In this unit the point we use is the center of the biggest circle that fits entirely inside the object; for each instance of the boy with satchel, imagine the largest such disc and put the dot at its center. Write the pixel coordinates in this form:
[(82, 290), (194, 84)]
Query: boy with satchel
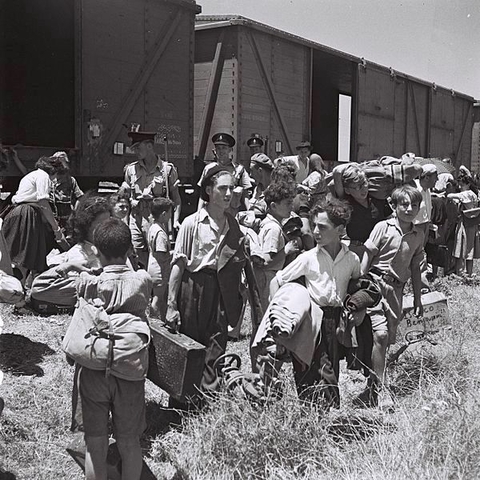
[(108, 338)]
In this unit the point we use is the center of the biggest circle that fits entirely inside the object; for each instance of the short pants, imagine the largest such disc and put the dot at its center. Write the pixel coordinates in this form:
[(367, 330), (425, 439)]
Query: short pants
[(387, 314), (101, 395)]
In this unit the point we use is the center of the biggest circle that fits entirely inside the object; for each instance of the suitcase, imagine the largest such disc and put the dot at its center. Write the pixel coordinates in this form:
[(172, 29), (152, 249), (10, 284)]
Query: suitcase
[(175, 362)]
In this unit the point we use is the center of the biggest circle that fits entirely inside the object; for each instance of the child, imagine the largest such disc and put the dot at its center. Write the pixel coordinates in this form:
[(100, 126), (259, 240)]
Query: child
[(121, 291), (120, 206), (159, 254), (464, 245), (270, 252), (327, 269), (393, 254)]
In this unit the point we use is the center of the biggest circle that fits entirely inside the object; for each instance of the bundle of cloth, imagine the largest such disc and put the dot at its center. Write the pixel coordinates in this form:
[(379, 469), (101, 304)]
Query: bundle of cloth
[(362, 293), (388, 172), (291, 321), (294, 322)]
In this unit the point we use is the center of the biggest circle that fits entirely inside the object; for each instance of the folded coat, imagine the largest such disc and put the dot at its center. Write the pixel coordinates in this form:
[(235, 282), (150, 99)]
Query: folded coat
[(293, 321)]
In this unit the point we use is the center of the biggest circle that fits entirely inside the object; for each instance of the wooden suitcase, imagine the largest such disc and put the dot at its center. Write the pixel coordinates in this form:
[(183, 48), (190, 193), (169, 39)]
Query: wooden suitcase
[(175, 362)]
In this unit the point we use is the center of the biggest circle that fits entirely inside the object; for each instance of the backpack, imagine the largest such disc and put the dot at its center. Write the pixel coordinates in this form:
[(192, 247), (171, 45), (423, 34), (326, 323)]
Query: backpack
[(117, 343)]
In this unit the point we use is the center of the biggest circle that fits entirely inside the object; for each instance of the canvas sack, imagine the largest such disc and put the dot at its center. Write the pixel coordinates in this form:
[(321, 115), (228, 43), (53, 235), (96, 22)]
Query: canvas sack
[(116, 343)]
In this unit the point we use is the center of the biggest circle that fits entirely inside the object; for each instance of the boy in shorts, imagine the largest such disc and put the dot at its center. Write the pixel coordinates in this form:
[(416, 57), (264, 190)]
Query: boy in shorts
[(393, 254), (159, 255), (123, 291)]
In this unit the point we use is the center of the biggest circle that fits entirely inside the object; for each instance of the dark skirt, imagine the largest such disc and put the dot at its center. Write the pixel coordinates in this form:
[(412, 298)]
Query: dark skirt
[(29, 237), (203, 319)]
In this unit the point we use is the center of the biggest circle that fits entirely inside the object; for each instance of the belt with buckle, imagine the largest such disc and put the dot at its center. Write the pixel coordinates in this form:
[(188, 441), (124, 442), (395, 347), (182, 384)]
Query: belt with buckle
[(386, 277)]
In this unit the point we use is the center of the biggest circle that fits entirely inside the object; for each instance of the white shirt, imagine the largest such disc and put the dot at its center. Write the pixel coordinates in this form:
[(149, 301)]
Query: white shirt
[(302, 168), (425, 212), (326, 278), (34, 186)]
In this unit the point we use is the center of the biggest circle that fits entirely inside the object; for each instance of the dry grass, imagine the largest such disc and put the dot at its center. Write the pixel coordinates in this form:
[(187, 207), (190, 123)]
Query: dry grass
[(433, 434)]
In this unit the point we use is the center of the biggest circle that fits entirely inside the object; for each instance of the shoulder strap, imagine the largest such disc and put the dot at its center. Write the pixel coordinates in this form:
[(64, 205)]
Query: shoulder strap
[(165, 179)]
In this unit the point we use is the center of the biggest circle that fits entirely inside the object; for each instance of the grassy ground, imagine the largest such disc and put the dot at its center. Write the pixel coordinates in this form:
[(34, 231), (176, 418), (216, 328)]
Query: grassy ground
[(434, 432)]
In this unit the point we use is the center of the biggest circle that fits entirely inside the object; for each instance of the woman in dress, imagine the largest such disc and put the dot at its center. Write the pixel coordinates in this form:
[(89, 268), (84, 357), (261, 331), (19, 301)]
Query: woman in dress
[(30, 229), (466, 230)]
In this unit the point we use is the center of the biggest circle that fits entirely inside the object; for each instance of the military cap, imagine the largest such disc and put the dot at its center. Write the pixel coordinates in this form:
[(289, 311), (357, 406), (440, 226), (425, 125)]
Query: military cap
[(138, 137), (255, 141), (223, 139), (304, 144), (262, 160)]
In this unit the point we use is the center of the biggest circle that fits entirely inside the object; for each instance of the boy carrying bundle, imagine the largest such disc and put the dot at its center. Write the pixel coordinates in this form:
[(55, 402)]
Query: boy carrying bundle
[(327, 270)]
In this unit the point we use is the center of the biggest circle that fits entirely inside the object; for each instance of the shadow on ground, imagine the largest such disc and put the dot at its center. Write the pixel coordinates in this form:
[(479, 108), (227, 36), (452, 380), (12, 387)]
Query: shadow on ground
[(6, 475), (159, 421), (20, 356)]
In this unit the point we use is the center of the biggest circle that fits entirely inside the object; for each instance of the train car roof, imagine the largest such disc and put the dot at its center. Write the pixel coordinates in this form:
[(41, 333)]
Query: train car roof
[(206, 22)]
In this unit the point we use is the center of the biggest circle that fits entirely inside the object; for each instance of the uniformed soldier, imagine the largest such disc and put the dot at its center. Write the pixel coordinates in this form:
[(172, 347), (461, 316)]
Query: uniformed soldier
[(223, 148), (255, 143), (147, 178)]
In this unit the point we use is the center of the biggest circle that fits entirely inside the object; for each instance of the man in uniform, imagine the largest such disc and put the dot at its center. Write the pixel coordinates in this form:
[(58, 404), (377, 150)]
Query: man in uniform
[(147, 178), (255, 143), (223, 148)]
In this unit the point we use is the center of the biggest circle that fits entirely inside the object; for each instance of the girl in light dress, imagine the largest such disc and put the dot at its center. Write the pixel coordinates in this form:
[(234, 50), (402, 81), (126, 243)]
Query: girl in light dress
[(467, 226)]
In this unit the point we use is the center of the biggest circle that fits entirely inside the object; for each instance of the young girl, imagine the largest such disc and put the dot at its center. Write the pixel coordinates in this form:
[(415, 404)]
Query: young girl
[(120, 206), (159, 254), (463, 249)]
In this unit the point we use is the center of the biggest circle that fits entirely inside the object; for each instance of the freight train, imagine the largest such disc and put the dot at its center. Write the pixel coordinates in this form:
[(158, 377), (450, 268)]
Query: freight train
[(76, 75)]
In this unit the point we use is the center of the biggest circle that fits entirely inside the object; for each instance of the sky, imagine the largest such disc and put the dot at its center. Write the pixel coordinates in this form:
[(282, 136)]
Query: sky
[(433, 40)]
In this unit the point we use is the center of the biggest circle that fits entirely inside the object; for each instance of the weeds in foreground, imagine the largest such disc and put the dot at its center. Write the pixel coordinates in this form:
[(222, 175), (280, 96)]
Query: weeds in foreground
[(434, 432)]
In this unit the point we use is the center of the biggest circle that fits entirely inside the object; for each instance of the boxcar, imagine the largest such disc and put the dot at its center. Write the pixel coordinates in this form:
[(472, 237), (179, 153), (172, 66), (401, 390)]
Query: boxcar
[(252, 78), (76, 74)]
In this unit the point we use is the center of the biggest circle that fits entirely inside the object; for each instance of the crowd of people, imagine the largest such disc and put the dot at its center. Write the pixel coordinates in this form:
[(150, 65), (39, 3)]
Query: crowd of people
[(321, 257)]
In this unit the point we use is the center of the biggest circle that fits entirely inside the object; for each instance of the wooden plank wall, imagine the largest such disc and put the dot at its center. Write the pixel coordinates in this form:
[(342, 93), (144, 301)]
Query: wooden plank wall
[(463, 131), (442, 124), (375, 114), (398, 115), (287, 66), (117, 38), (225, 97), (417, 118)]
